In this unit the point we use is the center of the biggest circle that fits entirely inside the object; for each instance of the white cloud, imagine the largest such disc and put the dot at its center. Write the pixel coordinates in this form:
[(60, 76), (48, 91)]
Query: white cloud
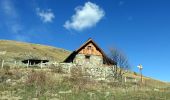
[(45, 15), (85, 17)]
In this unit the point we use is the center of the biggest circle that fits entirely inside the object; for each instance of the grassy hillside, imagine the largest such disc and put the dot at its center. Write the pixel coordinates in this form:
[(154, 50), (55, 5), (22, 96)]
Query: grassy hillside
[(147, 81), (20, 50), (46, 84), (50, 84)]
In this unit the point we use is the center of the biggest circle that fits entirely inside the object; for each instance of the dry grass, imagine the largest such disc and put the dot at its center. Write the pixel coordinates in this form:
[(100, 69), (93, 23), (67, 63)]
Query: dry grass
[(20, 50), (45, 84), (147, 81)]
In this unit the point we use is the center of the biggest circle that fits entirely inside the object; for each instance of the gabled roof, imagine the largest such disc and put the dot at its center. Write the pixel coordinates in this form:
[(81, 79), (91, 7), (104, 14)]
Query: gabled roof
[(106, 59)]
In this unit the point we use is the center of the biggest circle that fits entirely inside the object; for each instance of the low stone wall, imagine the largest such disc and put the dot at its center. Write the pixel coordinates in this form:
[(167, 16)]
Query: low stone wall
[(88, 69), (95, 72)]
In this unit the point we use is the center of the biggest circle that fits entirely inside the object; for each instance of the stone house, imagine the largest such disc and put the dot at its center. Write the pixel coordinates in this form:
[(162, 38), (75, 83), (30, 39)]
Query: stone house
[(89, 54)]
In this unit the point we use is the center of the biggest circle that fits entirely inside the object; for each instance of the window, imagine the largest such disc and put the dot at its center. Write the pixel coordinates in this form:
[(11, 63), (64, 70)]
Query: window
[(88, 47), (87, 56)]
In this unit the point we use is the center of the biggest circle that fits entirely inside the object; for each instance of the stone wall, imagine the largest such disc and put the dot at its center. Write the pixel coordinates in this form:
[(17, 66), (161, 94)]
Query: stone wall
[(90, 70), (94, 60)]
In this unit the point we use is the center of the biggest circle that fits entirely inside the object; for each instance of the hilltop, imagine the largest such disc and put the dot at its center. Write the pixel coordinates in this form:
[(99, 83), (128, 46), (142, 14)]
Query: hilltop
[(13, 50)]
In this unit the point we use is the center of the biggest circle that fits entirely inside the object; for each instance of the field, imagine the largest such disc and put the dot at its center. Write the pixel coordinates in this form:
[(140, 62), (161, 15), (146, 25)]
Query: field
[(49, 84)]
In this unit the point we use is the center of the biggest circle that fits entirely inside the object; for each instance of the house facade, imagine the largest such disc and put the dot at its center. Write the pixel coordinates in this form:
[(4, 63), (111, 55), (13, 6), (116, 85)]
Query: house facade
[(89, 54)]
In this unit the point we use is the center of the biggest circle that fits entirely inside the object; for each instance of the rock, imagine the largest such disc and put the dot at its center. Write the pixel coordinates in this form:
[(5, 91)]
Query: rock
[(156, 89), (15, 98), (54, 99), (65, 92), (54, 95), (23, 79), (100, 79), (91, 94), (10, 98), (34, 99), (8, 80), (13, 83), (107, 94)]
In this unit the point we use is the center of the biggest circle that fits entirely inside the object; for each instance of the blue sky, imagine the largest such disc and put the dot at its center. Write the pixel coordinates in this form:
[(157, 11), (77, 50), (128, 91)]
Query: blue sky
[(140, 28)]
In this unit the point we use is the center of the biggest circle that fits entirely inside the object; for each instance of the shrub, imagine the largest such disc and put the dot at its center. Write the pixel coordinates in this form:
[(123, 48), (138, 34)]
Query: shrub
[(56, 69), (76, 73), (7, 70), (37, 78), (77, 78)]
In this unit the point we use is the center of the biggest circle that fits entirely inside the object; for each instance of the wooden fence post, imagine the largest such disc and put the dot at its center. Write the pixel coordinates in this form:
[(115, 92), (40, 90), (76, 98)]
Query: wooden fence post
[(41, 64), (2, 65), (15, 63), (28, 63), (125, 79)]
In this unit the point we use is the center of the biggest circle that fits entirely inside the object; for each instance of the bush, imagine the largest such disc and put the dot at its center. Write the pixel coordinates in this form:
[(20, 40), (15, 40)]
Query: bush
[(57, 69), (3, 76), (77, 78), (36, 78), (76, 73), (6, 69)]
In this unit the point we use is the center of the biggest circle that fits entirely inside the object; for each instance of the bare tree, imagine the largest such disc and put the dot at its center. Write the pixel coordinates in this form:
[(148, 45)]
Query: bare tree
[(122, 63)]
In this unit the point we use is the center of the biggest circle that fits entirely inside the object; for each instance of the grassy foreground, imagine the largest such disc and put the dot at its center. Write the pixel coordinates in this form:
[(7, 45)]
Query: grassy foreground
[(50, 84)]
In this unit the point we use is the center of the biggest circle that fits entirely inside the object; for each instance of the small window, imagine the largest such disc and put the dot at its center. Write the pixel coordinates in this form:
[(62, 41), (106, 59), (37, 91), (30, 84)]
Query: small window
[(87, 56), (89, 48)]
